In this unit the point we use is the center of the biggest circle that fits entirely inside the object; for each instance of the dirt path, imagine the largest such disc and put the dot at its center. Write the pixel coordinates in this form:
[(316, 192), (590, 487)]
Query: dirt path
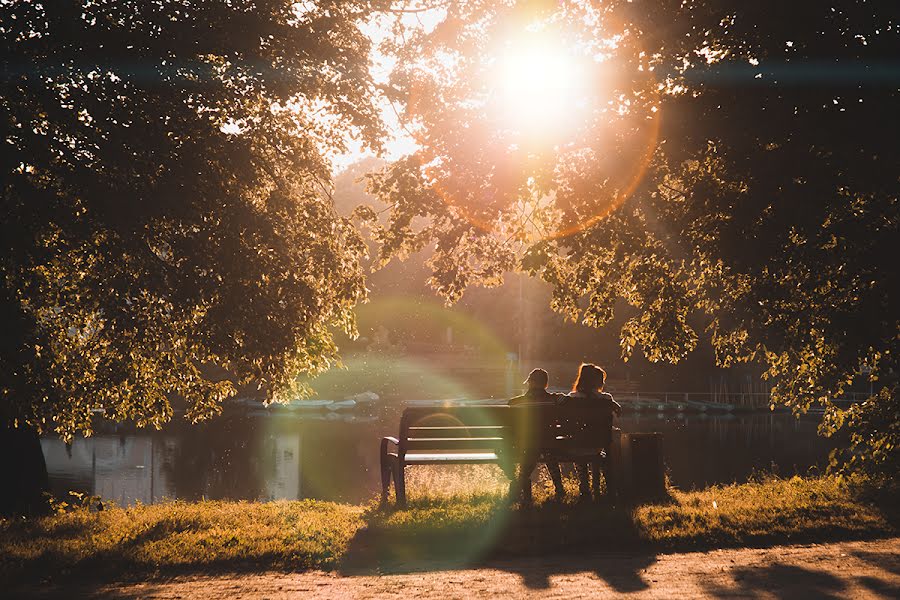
[(869, 569)]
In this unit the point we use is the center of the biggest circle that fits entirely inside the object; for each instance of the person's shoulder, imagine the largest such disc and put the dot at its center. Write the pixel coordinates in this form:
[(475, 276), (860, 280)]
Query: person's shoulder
[(555, 397), (606, 398), (573, 398), (518, 400)]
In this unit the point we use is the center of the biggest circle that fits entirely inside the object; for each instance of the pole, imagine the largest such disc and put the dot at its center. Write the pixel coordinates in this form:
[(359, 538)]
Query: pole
[(521, 322)]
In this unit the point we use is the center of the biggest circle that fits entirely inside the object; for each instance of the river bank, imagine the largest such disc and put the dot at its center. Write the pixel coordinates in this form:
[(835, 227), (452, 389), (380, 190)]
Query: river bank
[(235, 458), (452, 530)]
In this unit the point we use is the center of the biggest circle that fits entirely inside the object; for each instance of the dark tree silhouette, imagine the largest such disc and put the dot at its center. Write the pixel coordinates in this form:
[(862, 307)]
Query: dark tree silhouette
[(732, 162), (165, 202)]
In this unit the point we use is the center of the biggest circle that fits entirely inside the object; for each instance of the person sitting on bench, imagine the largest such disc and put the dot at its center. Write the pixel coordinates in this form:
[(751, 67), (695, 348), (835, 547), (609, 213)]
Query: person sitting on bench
[(588, 389), (533, 428)]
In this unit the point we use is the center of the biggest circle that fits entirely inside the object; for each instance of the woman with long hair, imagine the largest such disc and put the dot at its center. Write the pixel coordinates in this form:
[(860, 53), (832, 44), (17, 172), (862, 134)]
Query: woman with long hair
[(588, 388)]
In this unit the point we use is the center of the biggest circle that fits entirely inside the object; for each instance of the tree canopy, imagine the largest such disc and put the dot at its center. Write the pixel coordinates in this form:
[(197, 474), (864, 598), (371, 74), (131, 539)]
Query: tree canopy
[(165, 201), (726, 162), (166, 188)]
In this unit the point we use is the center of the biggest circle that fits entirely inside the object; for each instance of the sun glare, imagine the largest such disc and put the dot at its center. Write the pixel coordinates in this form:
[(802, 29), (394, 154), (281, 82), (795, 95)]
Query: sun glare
[(540, 85)]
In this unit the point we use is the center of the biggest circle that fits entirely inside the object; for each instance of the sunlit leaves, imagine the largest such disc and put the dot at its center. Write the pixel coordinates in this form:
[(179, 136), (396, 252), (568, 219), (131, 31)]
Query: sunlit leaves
[(723, 178), (168, 234)]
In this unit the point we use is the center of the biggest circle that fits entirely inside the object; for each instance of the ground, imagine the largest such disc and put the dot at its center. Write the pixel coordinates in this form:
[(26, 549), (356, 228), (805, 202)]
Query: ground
[(857, 569)]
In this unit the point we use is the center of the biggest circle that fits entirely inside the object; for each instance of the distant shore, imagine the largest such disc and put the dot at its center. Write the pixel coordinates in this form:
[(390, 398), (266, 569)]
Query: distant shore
[(459, 530)]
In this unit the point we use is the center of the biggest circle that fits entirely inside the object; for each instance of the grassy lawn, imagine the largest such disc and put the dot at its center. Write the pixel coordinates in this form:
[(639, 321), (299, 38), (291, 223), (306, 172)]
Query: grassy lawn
[(447, 530)]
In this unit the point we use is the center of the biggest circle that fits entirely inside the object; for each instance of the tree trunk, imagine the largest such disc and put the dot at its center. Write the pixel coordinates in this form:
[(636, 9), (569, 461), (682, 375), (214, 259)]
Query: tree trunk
[(23, 472)]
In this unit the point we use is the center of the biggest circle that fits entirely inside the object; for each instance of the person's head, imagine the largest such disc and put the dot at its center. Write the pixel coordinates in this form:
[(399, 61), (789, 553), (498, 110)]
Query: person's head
[(591, 378), (537, 380)]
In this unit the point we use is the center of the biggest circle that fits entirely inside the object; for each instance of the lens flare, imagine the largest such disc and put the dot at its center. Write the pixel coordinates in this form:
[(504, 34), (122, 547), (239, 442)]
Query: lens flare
[(539, 96), (540, 86)]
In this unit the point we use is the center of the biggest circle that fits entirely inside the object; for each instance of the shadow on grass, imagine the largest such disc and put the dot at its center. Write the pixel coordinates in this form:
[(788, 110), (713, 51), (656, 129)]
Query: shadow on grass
[(616, 542), (551, 538), (534, 542)]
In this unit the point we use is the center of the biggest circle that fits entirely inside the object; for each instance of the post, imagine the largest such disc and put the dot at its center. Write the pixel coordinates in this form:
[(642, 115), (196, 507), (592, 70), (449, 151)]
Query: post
[(637, 466), (386, 469)]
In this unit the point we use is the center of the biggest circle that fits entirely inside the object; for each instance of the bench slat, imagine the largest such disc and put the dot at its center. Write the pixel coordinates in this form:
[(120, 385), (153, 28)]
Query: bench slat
[(457, 432), (449, 458), (466, 443), (452, 416), (423, 458)]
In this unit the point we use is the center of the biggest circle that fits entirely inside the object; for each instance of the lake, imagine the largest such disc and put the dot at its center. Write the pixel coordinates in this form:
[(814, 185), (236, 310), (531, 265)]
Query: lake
[(335, 457)]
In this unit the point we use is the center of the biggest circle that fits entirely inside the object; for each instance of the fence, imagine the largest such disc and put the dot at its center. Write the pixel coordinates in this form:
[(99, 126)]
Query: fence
[(742, 400)]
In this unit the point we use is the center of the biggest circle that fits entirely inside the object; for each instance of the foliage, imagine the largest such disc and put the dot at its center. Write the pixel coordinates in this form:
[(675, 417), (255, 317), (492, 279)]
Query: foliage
[(874, 427), (727, 166), (205, 536), (167, 226), (75, 501)]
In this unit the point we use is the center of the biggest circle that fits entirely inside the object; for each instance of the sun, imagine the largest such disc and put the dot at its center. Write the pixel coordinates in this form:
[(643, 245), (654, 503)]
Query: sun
[(539, 85)]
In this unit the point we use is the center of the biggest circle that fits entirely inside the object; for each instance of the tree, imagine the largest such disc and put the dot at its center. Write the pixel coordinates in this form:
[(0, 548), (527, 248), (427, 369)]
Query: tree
[(729, 161), (165, 201)]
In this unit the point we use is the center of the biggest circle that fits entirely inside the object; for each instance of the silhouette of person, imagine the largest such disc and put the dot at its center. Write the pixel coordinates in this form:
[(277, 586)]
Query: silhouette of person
[(533, 427), (588, 391)]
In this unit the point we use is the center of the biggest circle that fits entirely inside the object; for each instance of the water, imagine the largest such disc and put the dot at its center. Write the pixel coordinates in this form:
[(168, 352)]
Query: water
[(236, 457)]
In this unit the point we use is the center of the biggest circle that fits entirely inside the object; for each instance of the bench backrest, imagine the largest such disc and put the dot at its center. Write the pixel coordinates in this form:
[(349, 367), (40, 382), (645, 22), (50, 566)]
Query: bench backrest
[(464, 428), (572, 424)]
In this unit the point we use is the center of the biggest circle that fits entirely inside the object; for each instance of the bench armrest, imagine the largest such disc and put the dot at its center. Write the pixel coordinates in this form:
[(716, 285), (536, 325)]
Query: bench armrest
[(384, 446)]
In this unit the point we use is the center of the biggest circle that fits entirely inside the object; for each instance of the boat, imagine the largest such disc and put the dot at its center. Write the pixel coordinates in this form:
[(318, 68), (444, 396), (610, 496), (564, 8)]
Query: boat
[(341, 405)]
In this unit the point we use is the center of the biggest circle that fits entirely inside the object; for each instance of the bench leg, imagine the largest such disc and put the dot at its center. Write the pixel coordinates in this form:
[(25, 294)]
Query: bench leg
[(584, 479), (613, 468), (595, 478), (386, 472), (400, 483), (556, 477), (520, 486)]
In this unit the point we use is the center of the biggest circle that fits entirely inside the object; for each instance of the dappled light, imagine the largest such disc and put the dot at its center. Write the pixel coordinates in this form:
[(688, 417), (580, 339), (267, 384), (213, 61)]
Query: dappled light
[(439, 298)]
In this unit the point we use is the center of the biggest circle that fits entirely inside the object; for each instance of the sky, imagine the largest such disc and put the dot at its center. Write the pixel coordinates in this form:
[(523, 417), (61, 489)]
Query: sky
[(401, 143)]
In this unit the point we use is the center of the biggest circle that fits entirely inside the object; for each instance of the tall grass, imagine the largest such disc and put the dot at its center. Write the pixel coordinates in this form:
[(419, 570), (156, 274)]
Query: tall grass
[(769, 509), (181, 536)]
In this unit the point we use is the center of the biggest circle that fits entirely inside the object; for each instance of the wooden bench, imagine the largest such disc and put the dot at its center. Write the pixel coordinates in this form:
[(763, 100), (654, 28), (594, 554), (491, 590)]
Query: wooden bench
[(496, 434)]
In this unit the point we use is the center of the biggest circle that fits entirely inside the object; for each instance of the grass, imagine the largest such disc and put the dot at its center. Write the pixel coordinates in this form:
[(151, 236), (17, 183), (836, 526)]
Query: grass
[(180, 536), (442, 529), (769, 510)]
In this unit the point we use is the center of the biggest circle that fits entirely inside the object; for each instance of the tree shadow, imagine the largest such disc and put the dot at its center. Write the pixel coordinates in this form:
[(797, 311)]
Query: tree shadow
[(886, 561), (780, 581), (879, 587), (883, 560), (791, 581)]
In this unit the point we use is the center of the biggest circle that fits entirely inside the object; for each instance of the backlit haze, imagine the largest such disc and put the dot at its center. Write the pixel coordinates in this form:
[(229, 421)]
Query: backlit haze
[(536, 84)]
